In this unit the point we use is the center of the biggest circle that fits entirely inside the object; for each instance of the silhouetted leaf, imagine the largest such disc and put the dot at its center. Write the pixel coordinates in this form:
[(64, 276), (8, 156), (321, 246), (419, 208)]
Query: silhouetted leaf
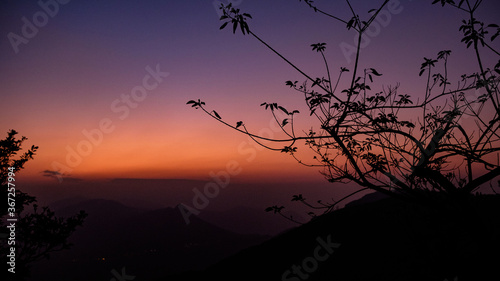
[(351, 23), (443, 54), (443, 2), (404, 99), (495, 35), (216, 114), (243, 27), (195, 103), (319, 47), (284, 110), (223, 25), (375, 72), (275, 208), (238, 124), (316, 82), (235, 25), (289, 149)]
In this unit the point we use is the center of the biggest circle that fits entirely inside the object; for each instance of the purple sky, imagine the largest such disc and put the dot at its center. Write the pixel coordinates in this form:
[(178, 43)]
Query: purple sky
[(71, 73)]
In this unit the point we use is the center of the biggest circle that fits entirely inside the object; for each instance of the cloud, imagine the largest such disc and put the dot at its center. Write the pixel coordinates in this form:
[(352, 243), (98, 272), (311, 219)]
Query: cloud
[(59, 176)]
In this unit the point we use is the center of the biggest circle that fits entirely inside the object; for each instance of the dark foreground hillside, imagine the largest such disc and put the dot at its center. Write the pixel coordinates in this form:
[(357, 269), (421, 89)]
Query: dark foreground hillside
[(384, 240)]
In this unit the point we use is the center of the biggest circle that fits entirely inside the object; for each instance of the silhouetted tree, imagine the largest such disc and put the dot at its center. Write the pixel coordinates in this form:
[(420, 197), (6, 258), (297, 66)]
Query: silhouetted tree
[(443, 146), (37, 233)]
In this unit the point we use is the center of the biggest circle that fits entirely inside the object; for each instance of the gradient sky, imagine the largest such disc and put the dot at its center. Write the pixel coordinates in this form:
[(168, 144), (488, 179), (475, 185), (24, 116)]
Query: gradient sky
[(70, 75)]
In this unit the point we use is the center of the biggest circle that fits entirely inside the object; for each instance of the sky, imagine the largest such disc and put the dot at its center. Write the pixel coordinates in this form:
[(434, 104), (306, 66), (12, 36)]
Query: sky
[(101, 86)]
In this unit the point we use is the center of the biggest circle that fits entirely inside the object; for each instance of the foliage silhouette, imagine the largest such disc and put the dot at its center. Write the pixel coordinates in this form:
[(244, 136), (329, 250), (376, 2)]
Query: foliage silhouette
[(39, 232), (365, 136)]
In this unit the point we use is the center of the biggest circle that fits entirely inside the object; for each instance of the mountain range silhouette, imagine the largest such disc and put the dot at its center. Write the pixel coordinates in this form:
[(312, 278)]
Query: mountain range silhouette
[(374, 238)]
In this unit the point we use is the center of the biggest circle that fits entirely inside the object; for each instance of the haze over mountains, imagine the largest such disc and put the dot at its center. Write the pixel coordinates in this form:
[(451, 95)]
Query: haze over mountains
[(136, 223), (383, 237), (148, 243), (228, 238), (159, 193)]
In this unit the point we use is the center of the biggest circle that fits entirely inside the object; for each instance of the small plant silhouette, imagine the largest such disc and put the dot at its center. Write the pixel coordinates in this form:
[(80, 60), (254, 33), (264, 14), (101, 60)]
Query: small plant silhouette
[(38, 232)]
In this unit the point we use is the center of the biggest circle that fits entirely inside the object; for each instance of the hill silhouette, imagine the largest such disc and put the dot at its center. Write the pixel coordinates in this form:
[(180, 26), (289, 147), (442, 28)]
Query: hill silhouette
[(382, 240), (247, 220), (371, 239), (148, 243)]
